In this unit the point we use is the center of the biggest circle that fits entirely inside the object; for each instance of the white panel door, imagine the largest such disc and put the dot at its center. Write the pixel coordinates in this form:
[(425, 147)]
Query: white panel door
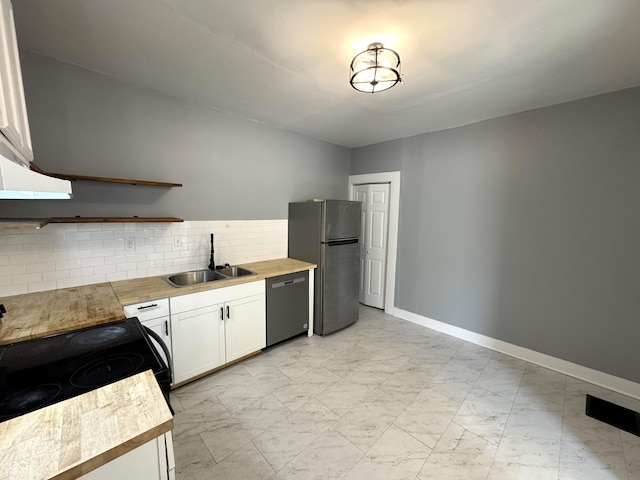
[(373, 246), (361, 194)]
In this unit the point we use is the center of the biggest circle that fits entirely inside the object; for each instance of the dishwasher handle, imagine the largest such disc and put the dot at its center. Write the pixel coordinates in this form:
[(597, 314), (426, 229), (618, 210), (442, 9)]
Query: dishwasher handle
[(288, 282)]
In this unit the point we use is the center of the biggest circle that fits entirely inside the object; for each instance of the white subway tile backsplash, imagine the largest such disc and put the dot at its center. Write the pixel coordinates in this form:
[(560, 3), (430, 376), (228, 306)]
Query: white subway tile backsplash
[(67, 264), (102, 235), (81, 272), (92, 262), (105, 269), (23, 259), (40, 267), (42, 286), (69, 255), (22, 239), (69, 282), (26, 278), (90, 244), (11, 270), (55, 275), (126, 267), (89, 280), (14, 290)]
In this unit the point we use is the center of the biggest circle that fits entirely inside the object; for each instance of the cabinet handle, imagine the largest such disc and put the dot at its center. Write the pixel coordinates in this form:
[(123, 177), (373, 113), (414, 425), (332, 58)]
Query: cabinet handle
[(148, 306), (166, 328), (228, 311), (222, 314)]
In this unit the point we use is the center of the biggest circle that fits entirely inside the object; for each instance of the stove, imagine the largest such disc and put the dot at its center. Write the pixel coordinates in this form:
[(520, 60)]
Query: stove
[(40, 372)]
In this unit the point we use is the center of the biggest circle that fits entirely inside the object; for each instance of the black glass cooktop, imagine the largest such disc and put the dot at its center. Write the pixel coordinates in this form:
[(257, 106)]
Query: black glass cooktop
[(43, 371)]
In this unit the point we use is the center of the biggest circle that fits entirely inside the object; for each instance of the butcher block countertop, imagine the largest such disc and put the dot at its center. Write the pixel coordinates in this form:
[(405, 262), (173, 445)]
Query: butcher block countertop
[(40, 314), (75, 436), (152, 288), (34, 315)]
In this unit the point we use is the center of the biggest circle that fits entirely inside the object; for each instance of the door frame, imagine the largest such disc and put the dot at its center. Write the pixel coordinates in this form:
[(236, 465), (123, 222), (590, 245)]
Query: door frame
[(393, 179)]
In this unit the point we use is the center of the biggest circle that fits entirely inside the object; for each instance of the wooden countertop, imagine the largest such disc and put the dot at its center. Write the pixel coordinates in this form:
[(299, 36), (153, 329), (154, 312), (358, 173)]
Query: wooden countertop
[(40, 314), (152, 288), (73, 437), (34, 315)]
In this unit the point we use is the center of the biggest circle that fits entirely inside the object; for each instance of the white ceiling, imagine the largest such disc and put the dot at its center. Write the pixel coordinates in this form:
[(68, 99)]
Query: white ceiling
[(285, 63)]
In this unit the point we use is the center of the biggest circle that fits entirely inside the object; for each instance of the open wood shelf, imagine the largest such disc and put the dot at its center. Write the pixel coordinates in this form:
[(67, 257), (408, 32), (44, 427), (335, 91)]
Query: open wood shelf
[(114, 219), (35, 223), (22, 223), (89, 178), (129, 181)]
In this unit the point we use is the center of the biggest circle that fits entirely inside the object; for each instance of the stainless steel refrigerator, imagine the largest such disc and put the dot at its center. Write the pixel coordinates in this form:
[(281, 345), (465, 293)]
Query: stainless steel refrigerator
[(327, 233)]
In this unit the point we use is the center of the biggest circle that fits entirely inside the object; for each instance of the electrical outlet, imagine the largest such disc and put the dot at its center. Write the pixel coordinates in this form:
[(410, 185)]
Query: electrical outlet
[(129, 244), (177, 241)]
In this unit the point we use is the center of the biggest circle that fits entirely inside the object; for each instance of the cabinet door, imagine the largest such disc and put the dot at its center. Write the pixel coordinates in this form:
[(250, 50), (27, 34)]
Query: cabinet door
[(161, 327), (198, 341), (13, 111), (147, 462), (245, 327)]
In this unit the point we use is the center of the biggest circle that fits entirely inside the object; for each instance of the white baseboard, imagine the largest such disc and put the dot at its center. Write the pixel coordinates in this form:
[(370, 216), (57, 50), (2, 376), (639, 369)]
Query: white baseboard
[(611, 382)]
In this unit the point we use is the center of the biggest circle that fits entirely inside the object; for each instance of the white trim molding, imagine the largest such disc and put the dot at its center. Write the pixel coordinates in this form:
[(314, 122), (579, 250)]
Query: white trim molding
[(393, 179), (611, 382)]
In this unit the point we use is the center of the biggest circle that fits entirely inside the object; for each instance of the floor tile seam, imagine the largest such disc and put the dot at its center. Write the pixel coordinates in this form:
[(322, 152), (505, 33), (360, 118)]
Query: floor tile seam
[(308, 445), (627, 460), (326, 429), (364, 455), (262, 455), (568, 424), (565, 426), (209, 450), (512, 400), (431, 449)]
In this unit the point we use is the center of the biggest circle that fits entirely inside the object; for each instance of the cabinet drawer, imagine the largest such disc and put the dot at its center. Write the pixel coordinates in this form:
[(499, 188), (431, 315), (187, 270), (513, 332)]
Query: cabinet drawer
[(148, 310)]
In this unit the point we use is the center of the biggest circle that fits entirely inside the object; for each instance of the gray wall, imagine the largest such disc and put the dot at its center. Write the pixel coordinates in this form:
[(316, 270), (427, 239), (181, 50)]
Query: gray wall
[(89, 124), (526, 228)]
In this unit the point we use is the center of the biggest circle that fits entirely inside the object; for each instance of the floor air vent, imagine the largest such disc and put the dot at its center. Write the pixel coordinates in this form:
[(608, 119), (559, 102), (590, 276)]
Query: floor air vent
[(607, 412)]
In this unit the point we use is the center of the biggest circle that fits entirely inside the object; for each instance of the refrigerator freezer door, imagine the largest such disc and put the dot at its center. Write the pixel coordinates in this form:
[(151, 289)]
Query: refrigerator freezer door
[(341, 219), (340, 284)]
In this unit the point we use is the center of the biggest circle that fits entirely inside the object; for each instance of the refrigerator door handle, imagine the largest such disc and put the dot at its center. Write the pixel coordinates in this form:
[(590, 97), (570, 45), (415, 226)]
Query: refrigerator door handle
[(335, 243)]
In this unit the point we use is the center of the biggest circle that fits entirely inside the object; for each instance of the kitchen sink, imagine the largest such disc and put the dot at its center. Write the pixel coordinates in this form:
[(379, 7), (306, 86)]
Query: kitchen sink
[(196, 277), (233, 272)]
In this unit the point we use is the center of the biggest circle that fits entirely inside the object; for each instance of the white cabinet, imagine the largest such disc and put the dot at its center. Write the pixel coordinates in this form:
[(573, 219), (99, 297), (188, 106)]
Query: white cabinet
[(215, 327), (245, 326), (155, 316), (150, 461), (199, 341), (14, 125)]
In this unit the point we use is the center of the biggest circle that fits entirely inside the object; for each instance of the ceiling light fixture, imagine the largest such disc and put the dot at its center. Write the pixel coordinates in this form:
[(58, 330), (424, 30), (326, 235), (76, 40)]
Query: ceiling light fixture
[(376, 69)]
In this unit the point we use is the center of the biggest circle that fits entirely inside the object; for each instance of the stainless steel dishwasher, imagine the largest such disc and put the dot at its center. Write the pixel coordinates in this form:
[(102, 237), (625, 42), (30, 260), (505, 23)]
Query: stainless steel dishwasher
[(287, 306)]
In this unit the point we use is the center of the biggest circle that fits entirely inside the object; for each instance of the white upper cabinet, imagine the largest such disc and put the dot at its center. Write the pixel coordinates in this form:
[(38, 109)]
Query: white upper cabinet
[(14, 125)]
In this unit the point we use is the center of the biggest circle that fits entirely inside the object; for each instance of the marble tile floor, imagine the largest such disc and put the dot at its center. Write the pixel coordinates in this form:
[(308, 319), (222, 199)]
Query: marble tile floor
[(386, 399)]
